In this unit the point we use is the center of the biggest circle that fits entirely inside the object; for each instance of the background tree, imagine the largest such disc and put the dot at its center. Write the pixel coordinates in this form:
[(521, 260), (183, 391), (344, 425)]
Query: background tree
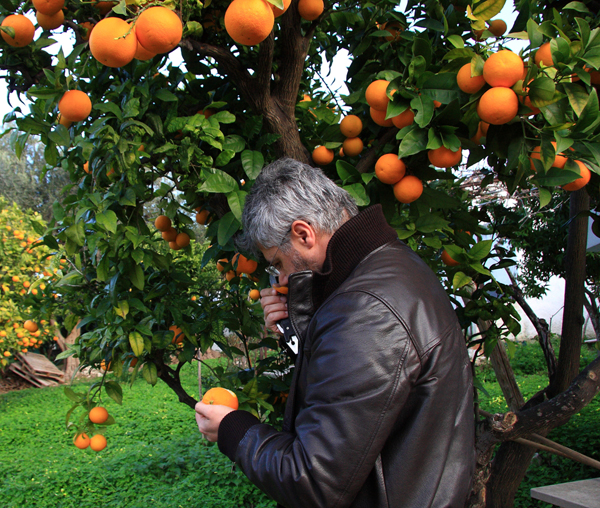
[(195, 136)]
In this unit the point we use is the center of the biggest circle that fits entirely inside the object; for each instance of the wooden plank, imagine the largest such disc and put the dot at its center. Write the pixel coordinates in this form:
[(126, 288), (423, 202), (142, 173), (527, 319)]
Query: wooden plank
[(40, 365), (580, 494)]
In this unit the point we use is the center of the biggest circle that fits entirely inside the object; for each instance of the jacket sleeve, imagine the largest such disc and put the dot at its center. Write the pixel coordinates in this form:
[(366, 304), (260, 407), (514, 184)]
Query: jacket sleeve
[(358, 375)]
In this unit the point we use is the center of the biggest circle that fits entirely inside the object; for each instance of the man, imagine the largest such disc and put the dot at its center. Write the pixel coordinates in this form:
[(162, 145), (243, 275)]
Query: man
[(380, 411)]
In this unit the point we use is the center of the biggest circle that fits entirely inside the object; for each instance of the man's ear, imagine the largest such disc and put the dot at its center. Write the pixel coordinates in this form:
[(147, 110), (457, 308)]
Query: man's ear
[(303, 235)]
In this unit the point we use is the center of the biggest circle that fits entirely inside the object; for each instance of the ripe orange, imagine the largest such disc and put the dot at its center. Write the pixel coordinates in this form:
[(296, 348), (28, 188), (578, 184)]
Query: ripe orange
[(202, 216), (582, 181), (182, 240), (249, 22), (376, 96), (310, 9), (98, 443), (254, 294), (244, 265), (394, 28), (23, 27), (498, 106), (443, 157), (221, 397), (404, 119), (379, 117), (277, 11), (81, 441), (484, 126), (104, 7), (281, 289), (408, 189), (98, 415), (48, 7), (497, 27), (86, 29), (63, 121), (352, 146), (230, 275), (30, 326), (162, 223), (105, 367), (351, 126), (221, 263), (503, 68), (178, 334), (158, 29), (141, 53), (559, 159), (169, 235), (468, 83), (447, 260), (526, 101), (544, 56), (50, 21), (390, 169), (322, 156), (113, 42)]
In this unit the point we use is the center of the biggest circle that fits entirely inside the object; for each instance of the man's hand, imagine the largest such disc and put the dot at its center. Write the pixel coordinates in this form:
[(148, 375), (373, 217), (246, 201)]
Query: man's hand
[(208, 418), (274, 306)]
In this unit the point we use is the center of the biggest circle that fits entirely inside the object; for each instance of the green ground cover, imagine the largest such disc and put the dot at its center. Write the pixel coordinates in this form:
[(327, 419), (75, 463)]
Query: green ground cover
[(156, 457)]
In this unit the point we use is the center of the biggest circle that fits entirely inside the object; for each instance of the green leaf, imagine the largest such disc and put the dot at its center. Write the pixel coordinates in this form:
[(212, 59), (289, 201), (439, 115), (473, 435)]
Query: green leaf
[(346, 171), (252, 162), (165, 96), (228, 226), (219, 182), (545, 197), (460, 280), (76, 233), (114, 391), (577, 95), (236, 203), (107, 220), (150, 374), (234, 142), (577, 6), (73, 396), (224, 117), (136, 276), (60, 135), (122, 309), (480, 250), (109, 107), (486, 9), (456, 41), (414, 142), (136, 341), (429, 223), (358, 192), (224, 157)]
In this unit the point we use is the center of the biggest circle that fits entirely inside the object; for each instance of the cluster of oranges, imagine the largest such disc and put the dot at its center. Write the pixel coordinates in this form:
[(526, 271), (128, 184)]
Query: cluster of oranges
[(392, 170), (74, 106), (23, 30), (177, 240), (29, 335), (351, 126), (49, 13), (241, 266), (98, 415)]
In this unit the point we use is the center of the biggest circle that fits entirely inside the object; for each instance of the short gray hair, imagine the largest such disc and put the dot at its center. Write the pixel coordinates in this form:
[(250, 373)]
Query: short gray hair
[(288, 190)]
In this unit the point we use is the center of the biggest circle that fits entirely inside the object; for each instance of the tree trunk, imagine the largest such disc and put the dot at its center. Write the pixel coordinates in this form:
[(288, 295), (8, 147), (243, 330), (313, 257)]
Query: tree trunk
[(591, 305)]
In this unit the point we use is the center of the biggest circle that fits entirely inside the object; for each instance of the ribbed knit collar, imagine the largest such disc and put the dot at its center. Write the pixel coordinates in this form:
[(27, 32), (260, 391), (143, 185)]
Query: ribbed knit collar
[(348, 246)]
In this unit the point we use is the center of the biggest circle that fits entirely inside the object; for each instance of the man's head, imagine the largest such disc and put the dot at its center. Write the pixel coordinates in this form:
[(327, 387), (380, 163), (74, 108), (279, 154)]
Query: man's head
[(293, 207)]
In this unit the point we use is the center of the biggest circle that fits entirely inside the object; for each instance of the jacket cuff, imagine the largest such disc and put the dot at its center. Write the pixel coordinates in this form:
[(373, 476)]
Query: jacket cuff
[(232, 430)]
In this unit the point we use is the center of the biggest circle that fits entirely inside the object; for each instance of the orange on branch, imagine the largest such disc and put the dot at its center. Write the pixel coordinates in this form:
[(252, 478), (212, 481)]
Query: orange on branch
[(169, 235), (98, 415), (559, 159), (221, 263), (503, 68), (178, 334), (404, 119), (202, 217), (351, 126), (352, 146), (468, 83), (81, 441), (48, 7), (447, 260), (277, 11), (544, 56), (30, 326), (50, 21), (104, 7), (158, 29), (408, 189), (98, 443), (182, 240), (244, 265), (23, 27), (113, 42), (221, 397), (322, 155), (310, 9), (249, 22), (379, 117), (582, 181), (394, 28), (141, 53), (376, 95), (162, 223), (254, 294), (390, 169), (497, 27), (443, 157), (86, 29), (497, 106)]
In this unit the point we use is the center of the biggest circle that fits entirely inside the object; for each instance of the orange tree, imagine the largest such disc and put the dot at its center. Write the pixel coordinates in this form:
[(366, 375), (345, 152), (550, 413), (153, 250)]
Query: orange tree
[(195, 135)]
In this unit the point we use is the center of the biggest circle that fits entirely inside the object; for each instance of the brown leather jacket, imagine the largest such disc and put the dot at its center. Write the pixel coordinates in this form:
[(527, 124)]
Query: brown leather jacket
[(380, 412)]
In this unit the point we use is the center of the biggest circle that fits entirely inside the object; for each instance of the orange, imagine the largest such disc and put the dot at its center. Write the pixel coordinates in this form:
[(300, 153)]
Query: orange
[(50, 22), (169, 235), (447, 260), (221, 397), (87, 27), (498, 106), (254, 294), (141, 53), (404, 119), (86, 167), (376, 94), (230, 275), (582, 181), (484, 126), (249, 22), (277, 11), (202, 216), (98, 443), (526, 101), (394, 28), (173, 245), (310, 9), (390, 169), (221, 263), (379, 117), (468, 83), (158, 29), (104, 7), (351, 126), (244, 265), (162, 223), (81, 441), (497, 27), (178, 335), (443, 157), (544, 56), (23, 27), (48, 7), (503, 68), (103, 365), (182, 240), (322, 155), (113, 42), (352, 146), (30, 326), (559, 159), (281, 289), (98, 415), (408, 189)]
